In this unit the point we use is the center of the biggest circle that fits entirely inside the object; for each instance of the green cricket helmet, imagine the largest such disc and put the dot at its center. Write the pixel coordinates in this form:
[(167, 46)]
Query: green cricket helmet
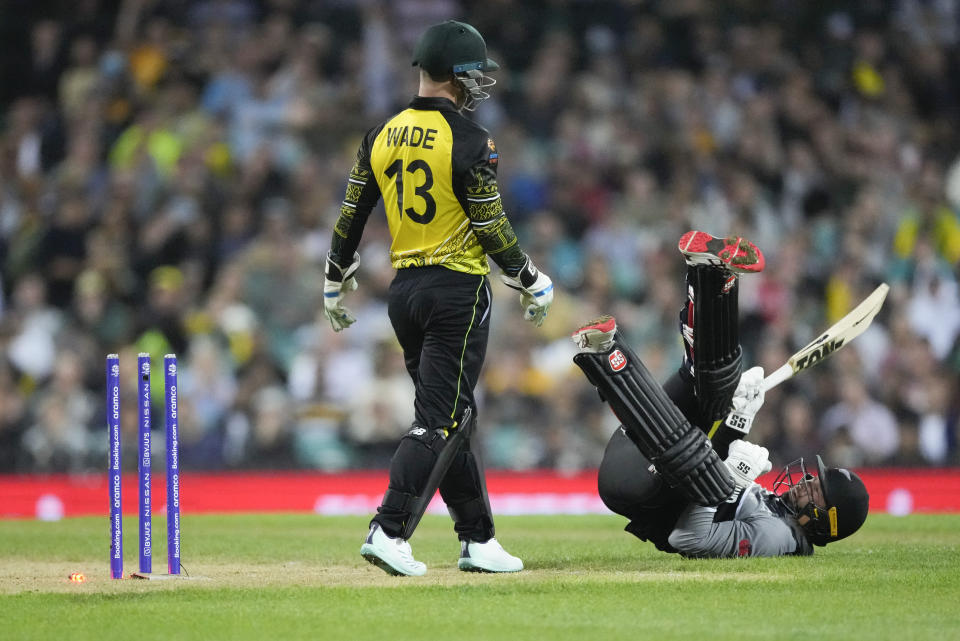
[(458, 49)]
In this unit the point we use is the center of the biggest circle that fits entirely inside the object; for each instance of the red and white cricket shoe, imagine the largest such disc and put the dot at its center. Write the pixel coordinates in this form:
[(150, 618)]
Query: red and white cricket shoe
[(734, 253)]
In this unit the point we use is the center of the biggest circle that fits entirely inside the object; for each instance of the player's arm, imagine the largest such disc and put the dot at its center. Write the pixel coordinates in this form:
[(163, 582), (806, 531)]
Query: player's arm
[(742, 527), (361, 196), (488, 220), (499, 241), (698, 533)]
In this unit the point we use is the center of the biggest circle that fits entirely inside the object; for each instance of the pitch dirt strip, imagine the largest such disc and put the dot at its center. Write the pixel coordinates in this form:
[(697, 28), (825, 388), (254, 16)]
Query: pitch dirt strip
[(18, 577)]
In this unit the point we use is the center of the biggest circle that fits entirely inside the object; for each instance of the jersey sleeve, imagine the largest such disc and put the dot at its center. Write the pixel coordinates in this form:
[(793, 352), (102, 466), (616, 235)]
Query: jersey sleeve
[(485, 210), (362, 195), (745, 527)]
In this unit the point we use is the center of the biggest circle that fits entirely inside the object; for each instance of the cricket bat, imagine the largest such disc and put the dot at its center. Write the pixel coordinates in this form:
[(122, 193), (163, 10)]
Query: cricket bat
[(838, 335)]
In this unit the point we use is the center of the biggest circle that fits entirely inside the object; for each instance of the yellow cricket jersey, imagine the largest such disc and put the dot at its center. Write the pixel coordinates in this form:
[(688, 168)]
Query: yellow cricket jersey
[(412, 161), (436, 172)]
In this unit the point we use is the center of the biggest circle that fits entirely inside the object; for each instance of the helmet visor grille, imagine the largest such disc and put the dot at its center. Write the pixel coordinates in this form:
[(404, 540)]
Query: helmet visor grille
[(474, 85)]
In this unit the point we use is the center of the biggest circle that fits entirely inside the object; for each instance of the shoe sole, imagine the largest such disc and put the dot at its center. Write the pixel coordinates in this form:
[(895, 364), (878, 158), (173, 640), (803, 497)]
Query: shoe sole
[(604, 324), (466, 565), (373, 559), (585, 335), (735, 253)]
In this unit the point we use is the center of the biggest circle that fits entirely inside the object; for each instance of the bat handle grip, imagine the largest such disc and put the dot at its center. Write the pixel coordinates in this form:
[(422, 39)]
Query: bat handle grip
[(778, 376)]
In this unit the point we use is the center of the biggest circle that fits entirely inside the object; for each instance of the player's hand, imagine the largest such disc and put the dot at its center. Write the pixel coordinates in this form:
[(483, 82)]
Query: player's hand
[(339, 281), (536, 292), (747, 461), (747, 400)]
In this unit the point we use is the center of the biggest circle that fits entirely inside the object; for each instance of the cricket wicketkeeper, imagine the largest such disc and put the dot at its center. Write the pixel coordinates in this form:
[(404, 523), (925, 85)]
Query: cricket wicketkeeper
[(677, 467), (436, 171)]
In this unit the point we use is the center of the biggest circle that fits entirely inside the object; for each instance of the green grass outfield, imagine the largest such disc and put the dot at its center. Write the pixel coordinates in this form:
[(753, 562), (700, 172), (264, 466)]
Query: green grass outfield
[(277, 577)]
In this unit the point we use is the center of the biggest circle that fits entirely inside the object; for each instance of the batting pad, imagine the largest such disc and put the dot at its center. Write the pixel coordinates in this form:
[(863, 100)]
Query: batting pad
[(680, 452), (716, 354)]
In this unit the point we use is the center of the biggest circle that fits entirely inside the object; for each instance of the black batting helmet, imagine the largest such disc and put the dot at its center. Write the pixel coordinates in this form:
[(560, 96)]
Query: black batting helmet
[(846, 501)]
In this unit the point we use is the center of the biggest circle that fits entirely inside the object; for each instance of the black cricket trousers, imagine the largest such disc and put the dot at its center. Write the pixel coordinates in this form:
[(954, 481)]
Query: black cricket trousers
[(442, 321)]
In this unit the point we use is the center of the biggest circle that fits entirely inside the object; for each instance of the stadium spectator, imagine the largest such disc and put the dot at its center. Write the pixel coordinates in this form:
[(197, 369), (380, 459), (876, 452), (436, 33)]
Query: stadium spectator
[(169, 174)]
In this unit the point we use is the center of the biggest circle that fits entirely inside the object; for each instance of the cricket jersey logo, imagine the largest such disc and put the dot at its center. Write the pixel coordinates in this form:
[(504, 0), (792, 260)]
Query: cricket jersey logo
[(494, 155)]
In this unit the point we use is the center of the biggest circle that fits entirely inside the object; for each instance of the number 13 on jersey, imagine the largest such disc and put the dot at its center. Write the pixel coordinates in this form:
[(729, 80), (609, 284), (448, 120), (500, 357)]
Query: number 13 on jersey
[(420, 172)]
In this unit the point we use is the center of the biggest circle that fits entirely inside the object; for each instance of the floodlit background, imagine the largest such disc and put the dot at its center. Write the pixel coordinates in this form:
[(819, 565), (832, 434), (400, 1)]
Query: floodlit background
[(170, 172)]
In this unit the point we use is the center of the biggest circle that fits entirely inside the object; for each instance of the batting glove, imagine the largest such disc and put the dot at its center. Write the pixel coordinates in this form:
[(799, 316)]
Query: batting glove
[(536, 291), (339, 281), (747, 401), (747, 461)]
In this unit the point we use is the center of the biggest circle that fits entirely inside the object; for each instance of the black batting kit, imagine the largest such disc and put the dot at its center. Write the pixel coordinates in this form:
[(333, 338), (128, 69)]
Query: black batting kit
[(663, 467), (436, 171), (669, 450), (680, 452), (711, 333)]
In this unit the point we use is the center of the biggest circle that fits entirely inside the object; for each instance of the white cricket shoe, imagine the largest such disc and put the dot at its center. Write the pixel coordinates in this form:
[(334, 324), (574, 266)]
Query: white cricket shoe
[(487, 557), (596, 335), (393, 556)]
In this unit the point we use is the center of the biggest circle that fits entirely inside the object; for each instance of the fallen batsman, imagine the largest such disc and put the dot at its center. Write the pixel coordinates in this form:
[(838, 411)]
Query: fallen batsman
[(678, 467)]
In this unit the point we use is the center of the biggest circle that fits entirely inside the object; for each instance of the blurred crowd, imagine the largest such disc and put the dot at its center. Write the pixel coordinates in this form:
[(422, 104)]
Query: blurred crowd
[(170, 172)]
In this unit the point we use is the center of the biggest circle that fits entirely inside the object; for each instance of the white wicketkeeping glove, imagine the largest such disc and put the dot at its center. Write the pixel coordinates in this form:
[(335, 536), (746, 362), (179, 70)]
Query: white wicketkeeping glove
[(747, 461), (338, 281), (536, 291), (747, 400)]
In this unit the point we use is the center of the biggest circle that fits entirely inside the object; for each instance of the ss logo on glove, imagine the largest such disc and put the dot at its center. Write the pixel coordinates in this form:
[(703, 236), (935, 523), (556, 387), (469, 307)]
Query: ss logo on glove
[(737, 422)]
